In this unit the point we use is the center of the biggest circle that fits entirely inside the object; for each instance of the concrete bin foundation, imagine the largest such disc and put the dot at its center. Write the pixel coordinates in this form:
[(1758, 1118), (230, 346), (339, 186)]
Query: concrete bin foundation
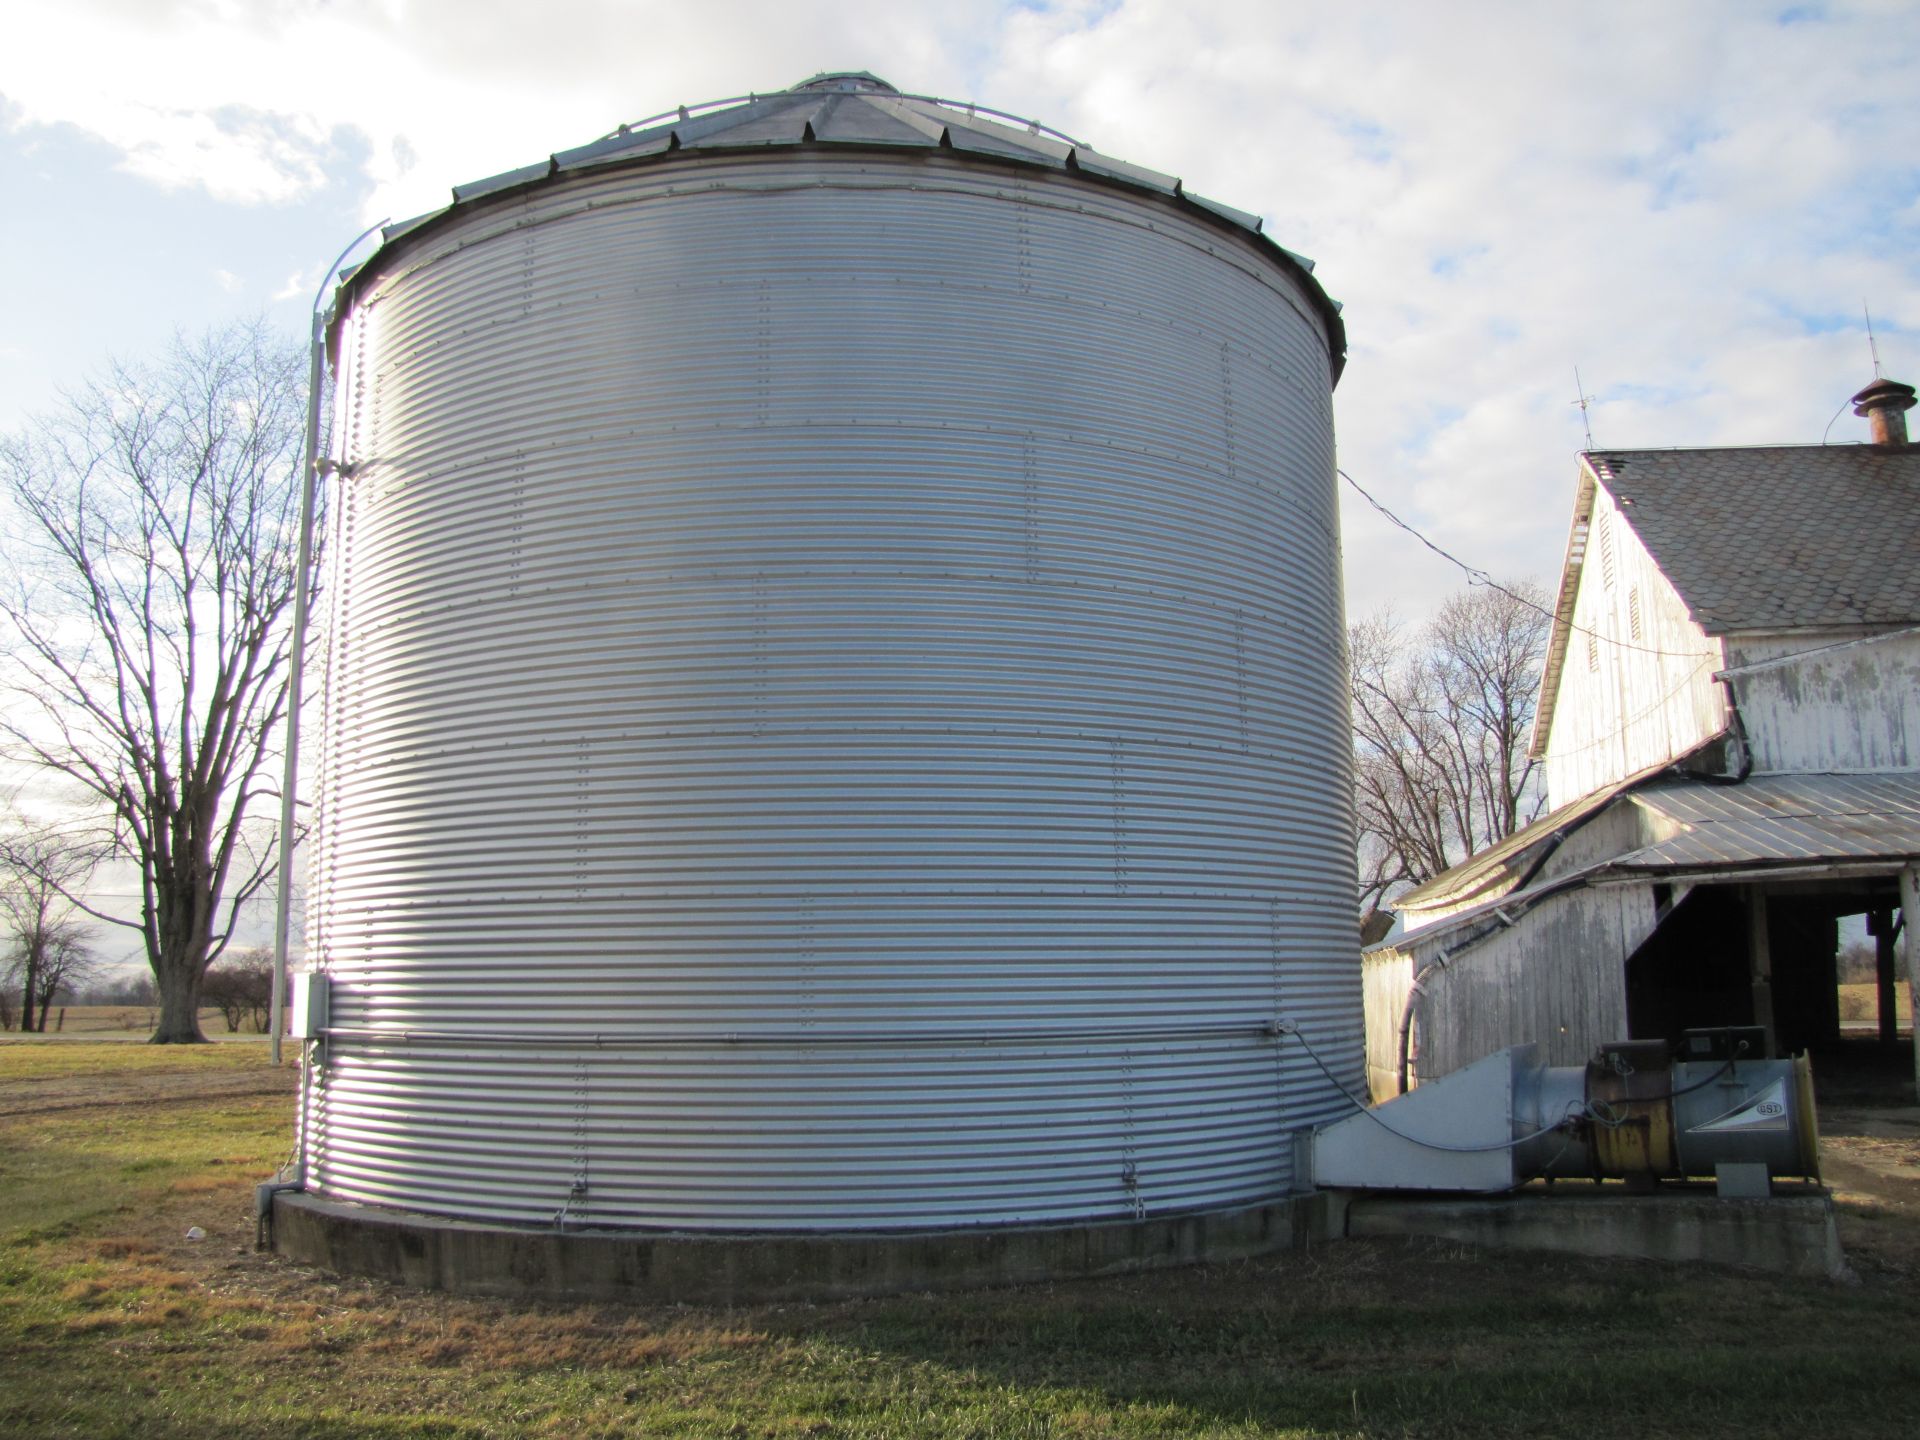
[(670, 1267), (1787, 1234)]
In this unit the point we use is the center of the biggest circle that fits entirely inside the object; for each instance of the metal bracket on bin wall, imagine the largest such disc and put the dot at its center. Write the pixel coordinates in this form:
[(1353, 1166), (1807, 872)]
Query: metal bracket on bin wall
[(307, 1007)]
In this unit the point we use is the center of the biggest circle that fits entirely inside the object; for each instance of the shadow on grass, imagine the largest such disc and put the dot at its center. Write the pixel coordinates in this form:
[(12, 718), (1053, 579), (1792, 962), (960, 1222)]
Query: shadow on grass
[(1416, 1338)]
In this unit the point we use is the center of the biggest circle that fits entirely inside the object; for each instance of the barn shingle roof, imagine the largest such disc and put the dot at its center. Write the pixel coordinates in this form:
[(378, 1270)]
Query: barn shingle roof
[(1778, 536)]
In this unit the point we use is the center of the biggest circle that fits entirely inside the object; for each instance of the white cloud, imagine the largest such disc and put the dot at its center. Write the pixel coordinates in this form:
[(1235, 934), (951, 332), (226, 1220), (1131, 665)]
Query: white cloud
[(246, 101), (1687, 202), (1652, 193), (300, 285)]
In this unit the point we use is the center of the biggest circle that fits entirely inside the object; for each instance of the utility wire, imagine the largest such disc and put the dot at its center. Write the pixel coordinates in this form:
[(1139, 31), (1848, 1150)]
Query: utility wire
[(1476, 576), (1835, 421)]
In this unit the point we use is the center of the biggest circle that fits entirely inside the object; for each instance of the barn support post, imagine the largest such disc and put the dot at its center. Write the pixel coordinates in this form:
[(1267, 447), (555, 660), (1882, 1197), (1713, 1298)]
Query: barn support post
[(1880, 926), (1910, 903), (1760, 964)]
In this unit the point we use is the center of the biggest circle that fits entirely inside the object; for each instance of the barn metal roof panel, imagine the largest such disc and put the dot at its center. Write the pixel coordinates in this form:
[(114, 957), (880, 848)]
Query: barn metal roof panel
[(1505, 864), (1094, 163), (1768, 822), (857, 109), (617, 149), (391, 233), (504, 181), (1782, 820), (870, 120), (1511, 862), (779, 120), (1241, 218), (1777, 537)]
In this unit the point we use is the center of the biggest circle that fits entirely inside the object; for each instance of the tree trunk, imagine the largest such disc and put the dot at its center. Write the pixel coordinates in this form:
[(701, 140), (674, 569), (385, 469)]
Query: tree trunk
[(179, 991), (26, 996)]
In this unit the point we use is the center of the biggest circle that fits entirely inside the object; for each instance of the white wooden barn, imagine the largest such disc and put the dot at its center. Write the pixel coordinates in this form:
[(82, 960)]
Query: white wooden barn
[(1729, 724)]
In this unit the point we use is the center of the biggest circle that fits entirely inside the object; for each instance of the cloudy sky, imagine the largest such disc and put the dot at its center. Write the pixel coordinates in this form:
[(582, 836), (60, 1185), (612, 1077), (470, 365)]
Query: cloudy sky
[(1688, 200)]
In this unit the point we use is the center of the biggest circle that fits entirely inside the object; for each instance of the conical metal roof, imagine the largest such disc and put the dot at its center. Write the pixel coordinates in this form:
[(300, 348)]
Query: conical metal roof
[(858, 109)]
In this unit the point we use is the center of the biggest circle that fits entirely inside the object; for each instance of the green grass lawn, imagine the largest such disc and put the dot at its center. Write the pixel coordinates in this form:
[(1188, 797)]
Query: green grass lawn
[(113, 1324), (30, 1058)]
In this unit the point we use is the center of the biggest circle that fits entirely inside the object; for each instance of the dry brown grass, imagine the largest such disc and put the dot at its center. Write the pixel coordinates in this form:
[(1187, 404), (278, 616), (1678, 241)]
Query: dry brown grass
[(1861, 1004)]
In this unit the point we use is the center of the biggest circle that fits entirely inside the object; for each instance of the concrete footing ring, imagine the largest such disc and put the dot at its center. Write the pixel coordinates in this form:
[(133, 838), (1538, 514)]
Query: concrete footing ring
[(674, 1267)]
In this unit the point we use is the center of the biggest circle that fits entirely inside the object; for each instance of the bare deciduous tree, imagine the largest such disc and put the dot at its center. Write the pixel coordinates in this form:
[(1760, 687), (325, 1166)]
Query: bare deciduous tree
[(1440, 732), (46, 942), (152, 560)]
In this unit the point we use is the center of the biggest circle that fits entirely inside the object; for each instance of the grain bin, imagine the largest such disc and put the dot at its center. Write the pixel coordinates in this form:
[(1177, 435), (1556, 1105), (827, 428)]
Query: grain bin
[(834, 702)]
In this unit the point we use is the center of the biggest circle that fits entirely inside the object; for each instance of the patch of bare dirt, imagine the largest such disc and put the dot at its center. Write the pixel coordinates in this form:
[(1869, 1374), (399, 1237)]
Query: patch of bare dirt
[(1870, 1157), (45, 1094)]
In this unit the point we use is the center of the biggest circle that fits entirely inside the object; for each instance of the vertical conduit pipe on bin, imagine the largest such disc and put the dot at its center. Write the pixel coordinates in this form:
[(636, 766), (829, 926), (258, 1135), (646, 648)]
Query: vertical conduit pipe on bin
[(297, 645)]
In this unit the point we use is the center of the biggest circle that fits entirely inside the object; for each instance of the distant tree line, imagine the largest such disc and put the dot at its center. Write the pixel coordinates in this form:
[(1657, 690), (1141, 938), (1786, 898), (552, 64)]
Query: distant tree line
[(129, 990), (1859, 963), (240, 989)]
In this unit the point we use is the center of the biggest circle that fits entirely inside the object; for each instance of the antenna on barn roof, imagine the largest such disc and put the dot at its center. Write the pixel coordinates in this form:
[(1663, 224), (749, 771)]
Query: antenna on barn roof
[(1582, 399), (1873, 346)]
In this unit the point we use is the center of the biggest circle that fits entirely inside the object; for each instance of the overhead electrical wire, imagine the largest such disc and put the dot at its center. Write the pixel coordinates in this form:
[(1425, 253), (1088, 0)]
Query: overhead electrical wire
[(1476, 576)]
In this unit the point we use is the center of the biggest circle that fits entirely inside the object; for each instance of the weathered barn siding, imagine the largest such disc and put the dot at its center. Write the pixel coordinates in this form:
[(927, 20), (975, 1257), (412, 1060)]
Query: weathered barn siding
[(1385, 977), (1835, 709), (1558, 981), (1636, 686)]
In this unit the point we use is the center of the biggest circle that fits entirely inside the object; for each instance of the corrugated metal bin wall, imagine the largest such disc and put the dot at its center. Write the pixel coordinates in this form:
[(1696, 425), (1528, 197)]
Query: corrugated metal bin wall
[(834, 708)]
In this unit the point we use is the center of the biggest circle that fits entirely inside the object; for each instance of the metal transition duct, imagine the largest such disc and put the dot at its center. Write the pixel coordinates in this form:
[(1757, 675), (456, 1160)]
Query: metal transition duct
[(834, 706), (1634, 1112)]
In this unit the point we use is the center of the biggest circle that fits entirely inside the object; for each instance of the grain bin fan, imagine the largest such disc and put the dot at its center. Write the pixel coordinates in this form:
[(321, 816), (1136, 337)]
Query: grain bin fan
[(1634, 1112)]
